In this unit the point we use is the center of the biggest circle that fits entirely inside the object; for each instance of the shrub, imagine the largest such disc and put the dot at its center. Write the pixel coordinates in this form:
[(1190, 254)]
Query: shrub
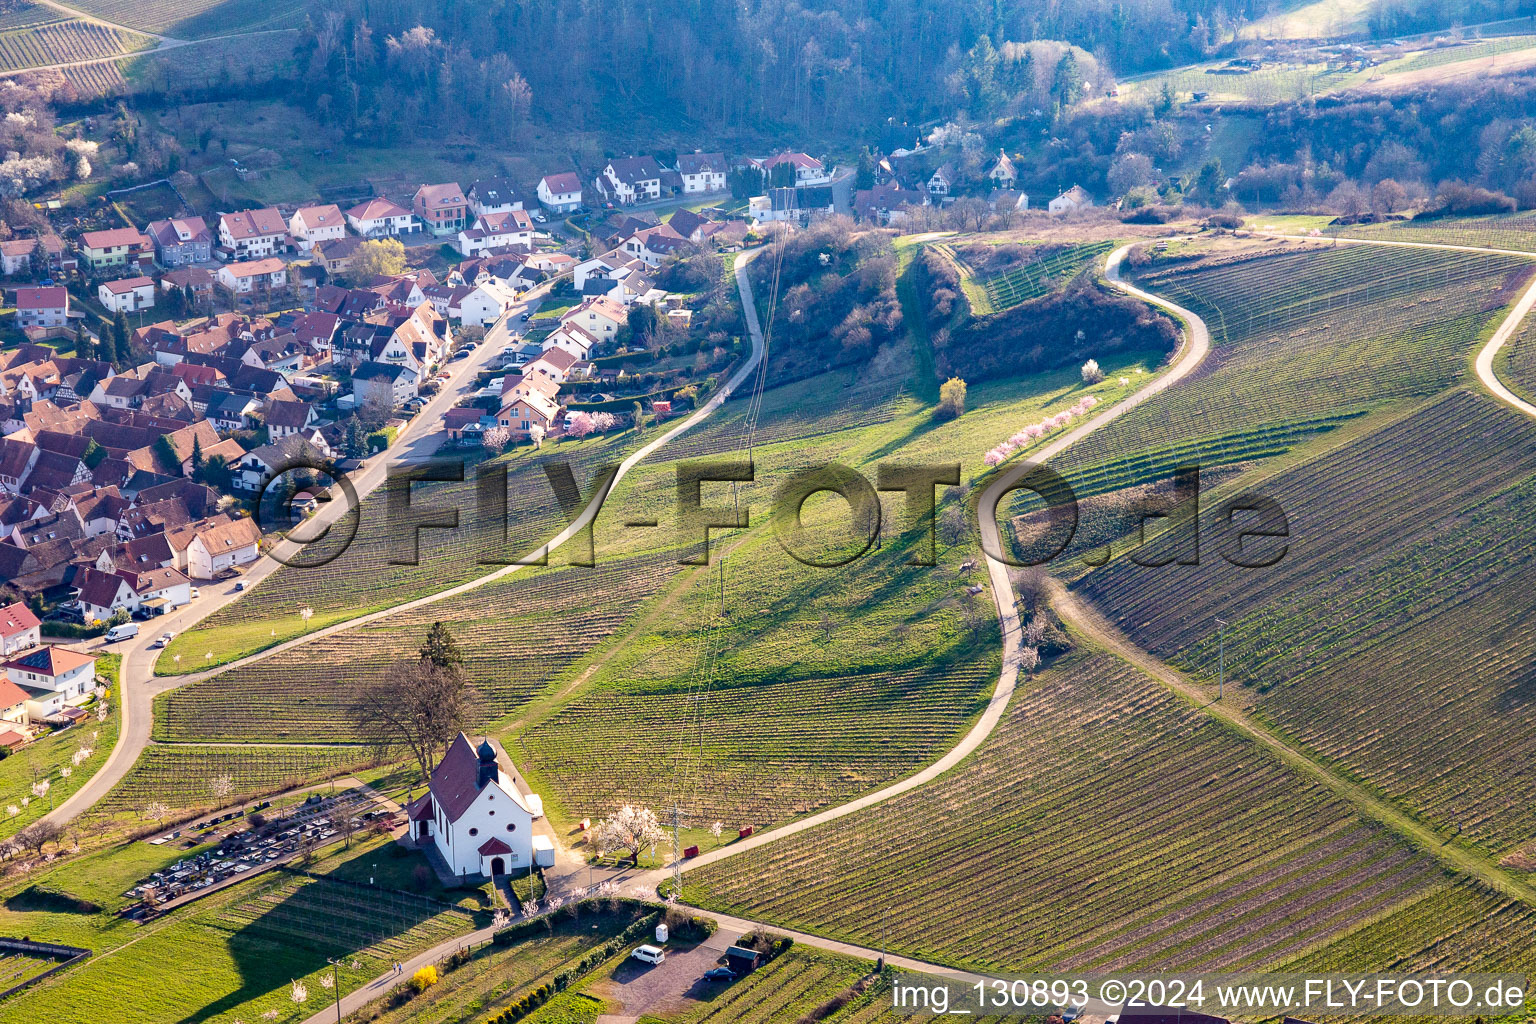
[(424, 978), (951, 399)]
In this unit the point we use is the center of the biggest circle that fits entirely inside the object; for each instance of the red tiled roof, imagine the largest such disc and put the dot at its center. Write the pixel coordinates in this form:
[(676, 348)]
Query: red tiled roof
[(56, 297), (128, 284), (493, 846), (377, 209), (16, 618), (254, 223), (10, 696), (569, 181), (114, 237)]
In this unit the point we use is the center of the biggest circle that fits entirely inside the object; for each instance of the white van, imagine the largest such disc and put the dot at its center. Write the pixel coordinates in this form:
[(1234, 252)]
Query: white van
[(126, 631), (650, 954)]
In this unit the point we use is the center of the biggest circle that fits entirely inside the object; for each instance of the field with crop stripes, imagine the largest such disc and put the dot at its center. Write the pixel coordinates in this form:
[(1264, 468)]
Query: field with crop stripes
[(232, 955), (365, 576), (198, 19), (179, 775), (1105, 825), (1515, 363), (1495, 231), (59, 42), (22, 14), (1394, 639), (514, 634), (104, 79), (1301, 331), (751, 753)]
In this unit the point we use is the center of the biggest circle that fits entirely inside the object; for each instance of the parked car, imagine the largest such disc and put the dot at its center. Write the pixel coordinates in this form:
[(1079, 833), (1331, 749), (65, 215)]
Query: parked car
[(719, 974), (649, 954), (126, 631), (239, 586), (164, 640), (462, 353), (195, 593)]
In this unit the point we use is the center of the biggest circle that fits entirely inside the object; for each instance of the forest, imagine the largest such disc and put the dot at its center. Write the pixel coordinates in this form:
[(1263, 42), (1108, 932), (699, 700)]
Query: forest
[(819, 66)]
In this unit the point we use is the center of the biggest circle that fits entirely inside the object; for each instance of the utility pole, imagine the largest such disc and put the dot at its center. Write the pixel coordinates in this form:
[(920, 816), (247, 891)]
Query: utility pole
[(1221, 657), (336, 984)]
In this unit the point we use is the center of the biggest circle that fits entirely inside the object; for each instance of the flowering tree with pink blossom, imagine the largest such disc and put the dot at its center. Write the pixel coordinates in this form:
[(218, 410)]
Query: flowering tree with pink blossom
[(604, 421), (579, 424)]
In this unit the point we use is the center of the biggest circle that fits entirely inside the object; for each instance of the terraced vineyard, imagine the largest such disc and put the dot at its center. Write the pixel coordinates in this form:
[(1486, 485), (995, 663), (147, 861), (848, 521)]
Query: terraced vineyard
[(362, 578), (179, 775), (1106, 824), (104, 79), (1303, 331), (198, 19), (1369, 643), (1055, 266), (59, 42), (514, 634)]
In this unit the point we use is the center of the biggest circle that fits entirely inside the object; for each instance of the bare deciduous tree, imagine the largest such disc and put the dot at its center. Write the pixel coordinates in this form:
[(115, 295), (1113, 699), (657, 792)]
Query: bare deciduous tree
[(416, 705)]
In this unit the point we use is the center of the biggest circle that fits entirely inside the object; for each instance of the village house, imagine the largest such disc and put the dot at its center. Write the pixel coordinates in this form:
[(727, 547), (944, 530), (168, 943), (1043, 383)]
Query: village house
[(336, 254), (286, 418), (486, 302), (252, 234), (496, 231), (20, 630), (1074, 198), (380, 218), (127, 295), (807, 169), (256, 277), (1003, 174), (53, 678), (560, 193), (632, 179), (16, 256), (572, 338), (117, 248), (702, 172), (383, 385), (442, 209), (496, 195), (528, 401), (477, 815), (42, 307), (180, 241), (216, 548), (311, 224), (103, 594), (942, 180), (196, 281), (600, 318)]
